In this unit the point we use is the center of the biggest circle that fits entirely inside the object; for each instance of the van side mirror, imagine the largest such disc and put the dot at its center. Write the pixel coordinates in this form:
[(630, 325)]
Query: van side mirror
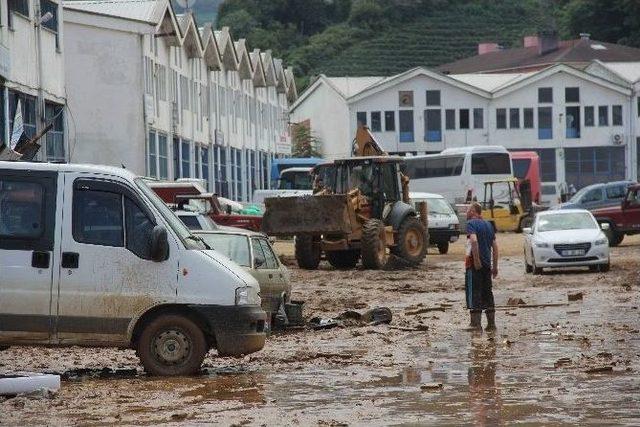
[(527, 230), (605, 226), (159, 244)]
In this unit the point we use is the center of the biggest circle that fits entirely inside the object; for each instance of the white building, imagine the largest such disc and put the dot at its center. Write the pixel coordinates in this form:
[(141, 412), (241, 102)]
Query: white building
[(32, 72), (153, 91), (584, 124)]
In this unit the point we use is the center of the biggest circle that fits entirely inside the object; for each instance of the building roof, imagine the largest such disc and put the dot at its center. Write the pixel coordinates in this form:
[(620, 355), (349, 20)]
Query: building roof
[(349, 86), (629, 71), (148, 11), (490, 82), (579, 52)]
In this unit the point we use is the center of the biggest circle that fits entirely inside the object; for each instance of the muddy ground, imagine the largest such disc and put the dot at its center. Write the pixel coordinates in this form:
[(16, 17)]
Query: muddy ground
[(571, 362)]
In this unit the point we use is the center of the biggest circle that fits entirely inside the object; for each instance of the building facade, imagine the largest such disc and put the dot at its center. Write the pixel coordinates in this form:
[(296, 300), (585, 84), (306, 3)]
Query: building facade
[(173, 100), (583, 124), (32, 73)]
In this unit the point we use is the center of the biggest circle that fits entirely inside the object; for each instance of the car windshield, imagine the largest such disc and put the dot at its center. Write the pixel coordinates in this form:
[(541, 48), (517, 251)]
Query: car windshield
[(566, 221), (170, 217), (438, 207), (295, 180), (234, 246)]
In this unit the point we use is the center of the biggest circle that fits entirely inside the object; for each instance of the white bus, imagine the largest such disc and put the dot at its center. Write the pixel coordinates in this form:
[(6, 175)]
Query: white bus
[(456, 171)]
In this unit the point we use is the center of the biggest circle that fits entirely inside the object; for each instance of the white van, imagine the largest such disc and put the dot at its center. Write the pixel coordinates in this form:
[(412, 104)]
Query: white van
[(444, 225), (90, 256)]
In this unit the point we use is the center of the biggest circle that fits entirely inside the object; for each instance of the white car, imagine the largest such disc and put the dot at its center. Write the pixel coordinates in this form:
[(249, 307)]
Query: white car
[(444, 225), (565, 238)]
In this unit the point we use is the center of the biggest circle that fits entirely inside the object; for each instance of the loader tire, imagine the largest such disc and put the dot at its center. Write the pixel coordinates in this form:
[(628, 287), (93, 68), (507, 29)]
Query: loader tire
[(308, 252), (412, 241), (374, 250), (342, 260)]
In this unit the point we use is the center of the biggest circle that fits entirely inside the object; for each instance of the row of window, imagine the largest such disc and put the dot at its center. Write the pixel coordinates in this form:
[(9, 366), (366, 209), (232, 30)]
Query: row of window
[(21, 7)]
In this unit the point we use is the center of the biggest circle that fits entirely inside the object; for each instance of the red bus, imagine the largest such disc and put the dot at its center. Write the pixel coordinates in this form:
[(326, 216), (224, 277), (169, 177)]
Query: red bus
[(526, 166)]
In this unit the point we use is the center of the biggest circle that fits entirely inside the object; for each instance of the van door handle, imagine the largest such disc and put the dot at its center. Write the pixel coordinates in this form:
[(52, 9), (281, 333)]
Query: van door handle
[(40, 259), (70, 260)]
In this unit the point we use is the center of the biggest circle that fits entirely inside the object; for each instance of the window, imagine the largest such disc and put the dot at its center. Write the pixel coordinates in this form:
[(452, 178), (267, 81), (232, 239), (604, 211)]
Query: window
[(571, 94), (528, 118), (148, 75), (572, 120), (616, 115), (616, 191), (185, 157), (191, 221), (161, 82), (478, 118), (17, 6), (490, 164), (153, 155), (176, 158), (55, 137), (163, 156), (514, 118), (464, 118), (406, 125), (28, 104), (433, 98), (47, 6), (272, 260), (603, 115), (405, 98), (545, 123), (389, 121), (589, 118), (97, 218), (376, 122), (204, 152), (589, 165), (361, 117), (450, 119), (545, 95), (594, 195), (22, 209), (433, 125), (184, 93), (547, 164), (501, 118), (521, 167), (437, 167), (139, 230)]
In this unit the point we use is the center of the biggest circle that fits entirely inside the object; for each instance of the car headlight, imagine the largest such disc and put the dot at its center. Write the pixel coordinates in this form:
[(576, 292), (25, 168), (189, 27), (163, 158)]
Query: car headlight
[(541, 245), (247, 295), (453, 226), (602, 241)]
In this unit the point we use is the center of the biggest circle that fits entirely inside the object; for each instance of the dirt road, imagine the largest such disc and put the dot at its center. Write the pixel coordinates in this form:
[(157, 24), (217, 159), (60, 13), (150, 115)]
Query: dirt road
[(572, 362)]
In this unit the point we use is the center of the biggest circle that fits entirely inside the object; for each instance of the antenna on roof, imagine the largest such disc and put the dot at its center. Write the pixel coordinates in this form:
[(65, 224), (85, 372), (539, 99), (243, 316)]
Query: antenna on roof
[(186, 4)]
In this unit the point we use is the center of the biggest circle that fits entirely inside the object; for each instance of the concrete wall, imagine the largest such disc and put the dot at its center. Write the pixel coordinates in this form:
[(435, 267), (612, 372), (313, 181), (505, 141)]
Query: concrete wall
[(105, 96)]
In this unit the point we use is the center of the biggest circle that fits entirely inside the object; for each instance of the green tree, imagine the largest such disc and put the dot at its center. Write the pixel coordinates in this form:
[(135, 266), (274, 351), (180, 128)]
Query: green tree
[(305, 142), (239, 21)]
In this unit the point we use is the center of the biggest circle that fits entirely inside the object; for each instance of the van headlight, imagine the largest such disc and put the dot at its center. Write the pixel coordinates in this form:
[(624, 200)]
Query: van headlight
[(247, 295), (602, 241)]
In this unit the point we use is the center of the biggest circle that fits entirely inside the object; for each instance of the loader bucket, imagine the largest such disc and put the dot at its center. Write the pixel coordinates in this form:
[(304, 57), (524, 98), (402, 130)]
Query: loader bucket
[(315, 215)]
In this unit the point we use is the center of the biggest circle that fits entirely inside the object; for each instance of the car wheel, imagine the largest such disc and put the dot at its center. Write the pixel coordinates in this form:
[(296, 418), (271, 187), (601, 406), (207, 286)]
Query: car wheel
[(4, 347), (536, 270), (527, 267), (603, 268), (443, 248), (172, 345)]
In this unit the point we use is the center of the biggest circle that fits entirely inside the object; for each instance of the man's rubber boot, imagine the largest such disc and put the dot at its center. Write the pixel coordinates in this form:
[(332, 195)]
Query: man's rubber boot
[(491, 320), (476, 321)]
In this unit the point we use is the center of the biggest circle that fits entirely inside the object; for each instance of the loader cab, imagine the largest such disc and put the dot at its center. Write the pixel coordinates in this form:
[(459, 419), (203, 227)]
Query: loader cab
[(377, 178)]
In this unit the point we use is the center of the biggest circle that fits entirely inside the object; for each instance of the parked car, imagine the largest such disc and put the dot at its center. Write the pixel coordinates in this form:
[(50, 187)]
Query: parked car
[(623, 219), (253, 252), (91, 256), (597, 196), (444, 225), (196, 221), (565, 238)]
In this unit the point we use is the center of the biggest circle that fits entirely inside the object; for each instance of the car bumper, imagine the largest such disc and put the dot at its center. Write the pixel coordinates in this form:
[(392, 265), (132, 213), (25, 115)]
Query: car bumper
[(549, 258), (443, 235), (238, 330)]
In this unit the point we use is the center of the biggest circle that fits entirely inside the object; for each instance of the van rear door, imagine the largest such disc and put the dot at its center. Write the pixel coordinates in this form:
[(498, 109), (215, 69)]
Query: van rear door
[(27, 239), (107, 277)]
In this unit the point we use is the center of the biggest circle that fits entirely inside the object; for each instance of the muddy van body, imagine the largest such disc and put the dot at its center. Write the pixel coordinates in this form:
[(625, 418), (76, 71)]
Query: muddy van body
[(90, 256)]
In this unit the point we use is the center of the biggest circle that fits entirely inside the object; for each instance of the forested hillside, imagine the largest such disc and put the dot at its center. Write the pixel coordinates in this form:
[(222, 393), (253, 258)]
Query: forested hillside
[(382, 37)]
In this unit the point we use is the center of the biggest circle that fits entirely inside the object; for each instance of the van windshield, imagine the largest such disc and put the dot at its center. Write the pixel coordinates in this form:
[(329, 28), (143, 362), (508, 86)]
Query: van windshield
[(439, 207), (178, 227)]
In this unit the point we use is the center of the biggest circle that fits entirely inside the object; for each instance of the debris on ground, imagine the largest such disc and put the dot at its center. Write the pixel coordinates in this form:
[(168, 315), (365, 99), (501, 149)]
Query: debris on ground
[(577, 296), (512, 302), (600, 370), (431, 387)]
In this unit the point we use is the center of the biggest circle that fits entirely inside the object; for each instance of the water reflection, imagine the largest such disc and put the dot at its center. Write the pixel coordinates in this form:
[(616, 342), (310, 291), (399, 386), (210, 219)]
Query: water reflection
[(485, 401)]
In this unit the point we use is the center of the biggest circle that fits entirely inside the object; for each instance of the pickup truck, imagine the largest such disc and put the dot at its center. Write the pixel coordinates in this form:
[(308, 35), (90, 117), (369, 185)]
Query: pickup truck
[(623, 219), (292, 182)]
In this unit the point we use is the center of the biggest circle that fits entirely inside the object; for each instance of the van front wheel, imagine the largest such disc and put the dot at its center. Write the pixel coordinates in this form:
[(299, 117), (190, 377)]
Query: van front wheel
[(172, 345)]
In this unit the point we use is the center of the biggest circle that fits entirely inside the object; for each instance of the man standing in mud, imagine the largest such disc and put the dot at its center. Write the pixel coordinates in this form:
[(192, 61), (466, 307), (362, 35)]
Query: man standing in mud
[(481, 264)]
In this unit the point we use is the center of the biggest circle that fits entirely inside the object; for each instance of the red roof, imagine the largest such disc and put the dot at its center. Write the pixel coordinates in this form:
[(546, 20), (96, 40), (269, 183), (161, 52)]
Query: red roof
[(578, 53)]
